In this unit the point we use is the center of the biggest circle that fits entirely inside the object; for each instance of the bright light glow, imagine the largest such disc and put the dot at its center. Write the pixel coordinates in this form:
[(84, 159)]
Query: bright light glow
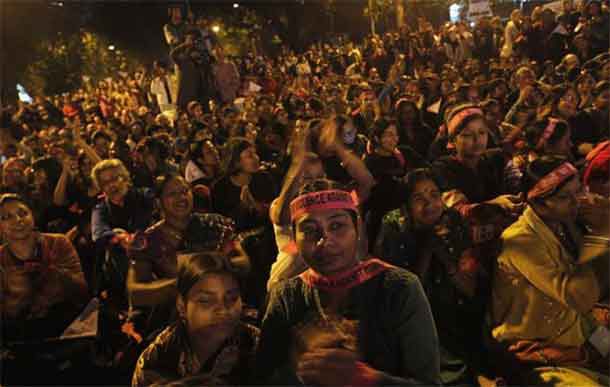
[(215, 28), (235, 5), (454, 12), (111, 47)]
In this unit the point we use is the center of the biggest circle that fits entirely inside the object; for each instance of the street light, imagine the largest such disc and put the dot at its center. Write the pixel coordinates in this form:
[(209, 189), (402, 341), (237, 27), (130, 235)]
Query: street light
[(111, 47), (215, 28), (235, 5)]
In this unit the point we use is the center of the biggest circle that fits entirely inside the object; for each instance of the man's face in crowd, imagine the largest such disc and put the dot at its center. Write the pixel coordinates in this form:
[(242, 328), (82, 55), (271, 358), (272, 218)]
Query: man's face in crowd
[(265, 107), (230, 120), (101, 146), (113, 184), (198, 112), (568, 104), (249, 161), (327, 240), (16, 221), (40, 180), (493, 116), (500, 92), (14, 175), (210, 155), (473, 95), (586, 84)]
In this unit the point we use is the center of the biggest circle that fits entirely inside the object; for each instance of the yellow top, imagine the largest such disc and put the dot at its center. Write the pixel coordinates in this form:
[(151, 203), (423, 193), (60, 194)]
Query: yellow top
[(540, 292)]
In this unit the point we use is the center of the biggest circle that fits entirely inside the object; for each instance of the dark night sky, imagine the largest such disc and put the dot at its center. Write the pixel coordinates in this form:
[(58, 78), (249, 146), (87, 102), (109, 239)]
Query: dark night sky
[(135, 26)]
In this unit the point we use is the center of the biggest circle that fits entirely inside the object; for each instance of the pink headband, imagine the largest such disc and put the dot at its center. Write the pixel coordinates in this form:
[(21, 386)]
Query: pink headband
[(322, 200), (457, 119), (548, 132), (549, 182)]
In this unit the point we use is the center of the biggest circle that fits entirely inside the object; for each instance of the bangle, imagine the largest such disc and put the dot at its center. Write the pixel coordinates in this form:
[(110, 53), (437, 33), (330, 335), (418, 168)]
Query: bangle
[(364, 375), (597, 240)]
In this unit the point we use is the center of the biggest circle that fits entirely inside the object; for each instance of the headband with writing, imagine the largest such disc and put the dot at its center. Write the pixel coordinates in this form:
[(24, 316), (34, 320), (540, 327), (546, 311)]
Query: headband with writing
[(549, 182), (322, 200)]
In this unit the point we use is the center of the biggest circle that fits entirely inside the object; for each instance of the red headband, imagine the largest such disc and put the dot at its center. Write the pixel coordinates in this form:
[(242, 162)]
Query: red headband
[(549, 182), (548, 132), (597, 162), (458, 118), (321, 200)]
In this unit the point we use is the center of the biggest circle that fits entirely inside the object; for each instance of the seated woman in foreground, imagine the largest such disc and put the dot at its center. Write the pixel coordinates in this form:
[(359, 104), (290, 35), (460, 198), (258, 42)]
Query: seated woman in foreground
[(344, 321), (208, 345)]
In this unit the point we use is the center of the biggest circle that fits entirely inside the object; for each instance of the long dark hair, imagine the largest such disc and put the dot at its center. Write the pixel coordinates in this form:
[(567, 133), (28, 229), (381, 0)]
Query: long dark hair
[(234, 149), (197, 265)]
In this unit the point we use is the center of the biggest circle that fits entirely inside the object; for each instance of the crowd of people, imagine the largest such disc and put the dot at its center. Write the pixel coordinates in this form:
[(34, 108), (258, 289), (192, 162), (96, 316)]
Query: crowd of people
[(428, 206)]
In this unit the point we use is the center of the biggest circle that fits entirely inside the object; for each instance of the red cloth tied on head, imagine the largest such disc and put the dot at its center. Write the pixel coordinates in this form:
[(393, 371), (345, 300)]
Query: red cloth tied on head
[(548, 132), (69, 111), (332, 199), (598, 162), (459, 117), (549, 182)]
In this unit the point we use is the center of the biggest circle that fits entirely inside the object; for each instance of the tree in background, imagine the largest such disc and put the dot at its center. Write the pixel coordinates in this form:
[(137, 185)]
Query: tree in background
[(64, 63)]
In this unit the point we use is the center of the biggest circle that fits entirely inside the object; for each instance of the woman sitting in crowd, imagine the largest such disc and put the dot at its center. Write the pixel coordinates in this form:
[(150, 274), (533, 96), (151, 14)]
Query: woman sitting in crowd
[(43, 291), (208, 345), (242, 163), (151, 280), (474, 174), (584, 132), (43, 286), (437, 244), (331, 318), (344, 321), (203, 166), (541, 304)]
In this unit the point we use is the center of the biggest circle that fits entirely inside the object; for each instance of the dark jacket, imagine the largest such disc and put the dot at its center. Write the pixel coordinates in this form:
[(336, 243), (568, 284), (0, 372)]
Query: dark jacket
[(395, 334), (170, 359)]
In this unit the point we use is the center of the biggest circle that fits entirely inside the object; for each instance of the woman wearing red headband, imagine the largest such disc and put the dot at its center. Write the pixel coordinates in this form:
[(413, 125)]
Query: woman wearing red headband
[(344, 321), (549, 279), (474, 174)]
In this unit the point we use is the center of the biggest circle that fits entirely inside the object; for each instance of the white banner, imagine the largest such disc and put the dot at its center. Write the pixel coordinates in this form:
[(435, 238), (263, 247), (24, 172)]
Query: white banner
[(478, 9), (557, 6)]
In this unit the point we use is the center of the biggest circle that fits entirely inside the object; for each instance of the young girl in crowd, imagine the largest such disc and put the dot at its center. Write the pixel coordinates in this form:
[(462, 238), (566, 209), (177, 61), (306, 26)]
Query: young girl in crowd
[(474, 174), (208, 345)]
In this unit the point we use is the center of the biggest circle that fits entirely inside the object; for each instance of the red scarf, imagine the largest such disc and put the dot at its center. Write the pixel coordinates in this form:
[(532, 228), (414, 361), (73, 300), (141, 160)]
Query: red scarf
[(357, 275)]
